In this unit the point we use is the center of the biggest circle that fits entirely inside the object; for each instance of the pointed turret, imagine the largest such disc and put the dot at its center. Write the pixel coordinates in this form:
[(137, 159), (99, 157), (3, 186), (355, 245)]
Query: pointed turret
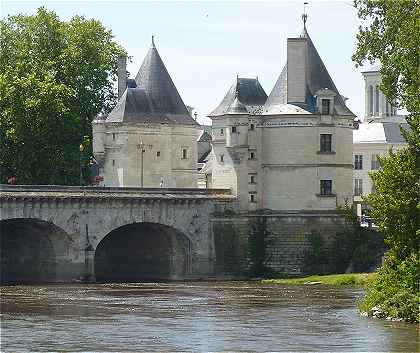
[(246, 95), (301, 78), (237, 108), (155, 97)]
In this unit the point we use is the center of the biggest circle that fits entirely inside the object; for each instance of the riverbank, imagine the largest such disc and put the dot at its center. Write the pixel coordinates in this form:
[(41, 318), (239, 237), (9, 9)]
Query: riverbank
[(358, 279)]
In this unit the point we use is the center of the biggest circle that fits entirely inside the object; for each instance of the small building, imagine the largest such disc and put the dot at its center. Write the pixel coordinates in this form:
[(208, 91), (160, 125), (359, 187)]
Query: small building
[(149, 139), (290, 151), (378, 134)]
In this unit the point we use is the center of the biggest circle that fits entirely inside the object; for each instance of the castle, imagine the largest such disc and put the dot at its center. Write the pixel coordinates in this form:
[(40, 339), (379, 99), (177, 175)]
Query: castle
[(288, 151)]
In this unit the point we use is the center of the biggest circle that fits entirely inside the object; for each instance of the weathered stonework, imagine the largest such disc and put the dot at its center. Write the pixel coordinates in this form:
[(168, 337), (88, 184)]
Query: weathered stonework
[(140, 234), (75, 222)]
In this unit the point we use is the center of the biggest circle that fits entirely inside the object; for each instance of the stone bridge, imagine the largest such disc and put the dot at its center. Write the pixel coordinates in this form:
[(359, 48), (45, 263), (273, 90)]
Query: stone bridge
[(57, 233)]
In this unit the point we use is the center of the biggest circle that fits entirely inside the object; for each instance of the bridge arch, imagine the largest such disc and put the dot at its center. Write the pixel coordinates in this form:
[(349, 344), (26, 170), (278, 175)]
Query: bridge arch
[(143, 251), (29, 250)]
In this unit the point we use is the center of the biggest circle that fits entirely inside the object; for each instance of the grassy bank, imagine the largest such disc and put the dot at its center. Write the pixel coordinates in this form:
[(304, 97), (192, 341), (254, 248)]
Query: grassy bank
[(360, 279)]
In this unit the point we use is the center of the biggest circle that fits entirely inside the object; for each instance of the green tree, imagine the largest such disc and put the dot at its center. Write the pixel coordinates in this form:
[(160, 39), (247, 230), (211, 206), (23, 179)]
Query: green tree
[(390, 35), (55, 77), (394, 203)]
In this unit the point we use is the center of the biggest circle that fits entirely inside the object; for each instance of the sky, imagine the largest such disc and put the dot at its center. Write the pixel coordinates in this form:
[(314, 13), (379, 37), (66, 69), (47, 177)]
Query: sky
[(204, 45)]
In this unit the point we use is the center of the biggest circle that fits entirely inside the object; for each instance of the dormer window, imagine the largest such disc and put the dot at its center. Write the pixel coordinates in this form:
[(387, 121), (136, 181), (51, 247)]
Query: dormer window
[(325, 101), (325, 107)]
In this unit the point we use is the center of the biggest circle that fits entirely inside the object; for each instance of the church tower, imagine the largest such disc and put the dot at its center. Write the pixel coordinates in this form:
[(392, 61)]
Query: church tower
[(149, 138), (377, 107)]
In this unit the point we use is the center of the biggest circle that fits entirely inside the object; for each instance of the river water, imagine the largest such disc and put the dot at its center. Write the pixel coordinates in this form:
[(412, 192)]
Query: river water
[(195, 316)]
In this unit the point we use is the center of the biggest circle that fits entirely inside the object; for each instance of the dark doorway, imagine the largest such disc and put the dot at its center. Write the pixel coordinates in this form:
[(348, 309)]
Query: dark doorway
[(27, 254), (142, 252)]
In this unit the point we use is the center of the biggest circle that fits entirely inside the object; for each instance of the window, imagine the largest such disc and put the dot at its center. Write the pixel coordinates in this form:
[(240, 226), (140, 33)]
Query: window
[(113, 162), (358, 161), (158, 154), (325, 106), (252, 198), (325, 141), (221, 131), (233, 129), (326, 187), (252, 127), (113, 137), (184, 154), (374, 162), (252, 179), (252, 155), (386, 107), (358, 187), (222, 157), (370, 100), (377, 100)]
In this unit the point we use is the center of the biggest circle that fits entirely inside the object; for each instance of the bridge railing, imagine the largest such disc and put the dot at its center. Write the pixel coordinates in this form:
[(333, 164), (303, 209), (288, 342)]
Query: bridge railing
[(111, 189)]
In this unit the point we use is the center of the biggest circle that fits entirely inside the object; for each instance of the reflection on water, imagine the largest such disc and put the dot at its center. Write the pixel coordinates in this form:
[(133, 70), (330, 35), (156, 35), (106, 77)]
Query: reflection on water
[(210, 316)]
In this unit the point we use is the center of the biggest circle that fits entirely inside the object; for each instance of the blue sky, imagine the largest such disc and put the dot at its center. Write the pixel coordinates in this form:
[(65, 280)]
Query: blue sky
[(206, 44)]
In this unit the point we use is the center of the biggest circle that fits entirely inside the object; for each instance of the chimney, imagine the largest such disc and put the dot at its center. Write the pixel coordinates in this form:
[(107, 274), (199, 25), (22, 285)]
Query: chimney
[(122, 75), (296, 70)]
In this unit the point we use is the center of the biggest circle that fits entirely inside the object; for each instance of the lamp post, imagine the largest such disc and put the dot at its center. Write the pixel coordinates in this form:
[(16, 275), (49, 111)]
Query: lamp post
[(81, 149), (142, 159)]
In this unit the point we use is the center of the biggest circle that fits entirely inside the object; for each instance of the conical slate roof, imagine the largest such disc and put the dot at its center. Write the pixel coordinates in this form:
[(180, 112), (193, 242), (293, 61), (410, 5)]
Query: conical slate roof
[(317, 77), (246, 95), (237, 108), (153, 98)]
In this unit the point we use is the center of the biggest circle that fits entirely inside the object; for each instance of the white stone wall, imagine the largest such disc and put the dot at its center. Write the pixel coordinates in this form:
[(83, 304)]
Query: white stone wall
[(287, 167), (373, 79), (367, 151), (117, 147)]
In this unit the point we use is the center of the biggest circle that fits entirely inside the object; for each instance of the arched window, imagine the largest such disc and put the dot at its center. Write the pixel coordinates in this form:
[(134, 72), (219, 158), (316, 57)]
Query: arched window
[(377, 100), (370, 100)]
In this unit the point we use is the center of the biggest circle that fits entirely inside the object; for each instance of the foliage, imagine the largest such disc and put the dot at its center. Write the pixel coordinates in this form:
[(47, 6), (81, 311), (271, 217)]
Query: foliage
[(359, 279), (257, 246), (395, 210), (55, 77), (317, 256), (355, 247), (391, 35), (395, 202), (395, 291)]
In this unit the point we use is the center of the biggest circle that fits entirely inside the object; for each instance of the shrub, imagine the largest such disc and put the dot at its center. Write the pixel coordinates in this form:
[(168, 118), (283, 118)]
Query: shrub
[(395, 291)]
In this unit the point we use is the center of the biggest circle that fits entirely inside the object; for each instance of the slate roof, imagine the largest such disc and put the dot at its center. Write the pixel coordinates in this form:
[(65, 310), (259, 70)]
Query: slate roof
[(205, 136), (152, 97), (386, 132), (317, 77), (393, 132), (245, 96)]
